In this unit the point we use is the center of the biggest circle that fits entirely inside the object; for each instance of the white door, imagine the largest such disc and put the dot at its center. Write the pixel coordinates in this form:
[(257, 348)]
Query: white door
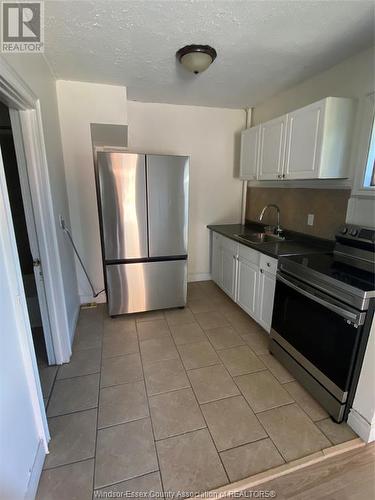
[(303, 142), (271, 149), (247, 286), (23, 424), (216, 259), (249, 153), (33, 241), (267, 283), (229, 260)]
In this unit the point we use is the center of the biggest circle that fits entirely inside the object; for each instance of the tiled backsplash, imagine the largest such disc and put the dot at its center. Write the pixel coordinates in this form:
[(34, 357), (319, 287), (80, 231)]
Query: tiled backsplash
[(328, 206)]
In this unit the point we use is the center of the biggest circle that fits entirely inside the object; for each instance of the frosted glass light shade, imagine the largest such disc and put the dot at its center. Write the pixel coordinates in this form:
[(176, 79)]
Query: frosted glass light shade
[(196, 58), (196, 62)]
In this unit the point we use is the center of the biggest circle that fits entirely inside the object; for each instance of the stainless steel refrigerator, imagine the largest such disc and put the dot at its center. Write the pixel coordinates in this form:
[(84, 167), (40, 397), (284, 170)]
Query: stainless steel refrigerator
[(143, 215)]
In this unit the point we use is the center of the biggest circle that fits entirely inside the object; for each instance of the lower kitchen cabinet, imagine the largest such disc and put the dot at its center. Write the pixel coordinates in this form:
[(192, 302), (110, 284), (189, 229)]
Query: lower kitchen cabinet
[(228, 284), (247, 286), (246, 275), (224, 264), (266, 294)]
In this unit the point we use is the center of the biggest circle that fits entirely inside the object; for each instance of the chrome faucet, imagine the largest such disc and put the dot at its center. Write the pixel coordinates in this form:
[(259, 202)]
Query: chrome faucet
[(276, 228)]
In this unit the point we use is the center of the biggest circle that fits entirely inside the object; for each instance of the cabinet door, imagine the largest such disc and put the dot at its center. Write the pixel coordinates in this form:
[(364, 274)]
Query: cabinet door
[(249, 153), (247, 286), (304, 142), (272, 149), (216, 260), (229, 260), (267, 283)]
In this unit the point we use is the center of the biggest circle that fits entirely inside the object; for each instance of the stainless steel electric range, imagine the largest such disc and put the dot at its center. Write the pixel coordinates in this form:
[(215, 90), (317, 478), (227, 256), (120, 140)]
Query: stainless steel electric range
[(323, 310)]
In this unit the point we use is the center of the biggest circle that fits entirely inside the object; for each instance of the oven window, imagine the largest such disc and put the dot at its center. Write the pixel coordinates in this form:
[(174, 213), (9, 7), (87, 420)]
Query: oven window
[(320, 335)]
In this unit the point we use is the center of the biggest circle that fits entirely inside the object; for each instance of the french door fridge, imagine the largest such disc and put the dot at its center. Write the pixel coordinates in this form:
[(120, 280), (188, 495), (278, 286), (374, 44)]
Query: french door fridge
[(143, 215)]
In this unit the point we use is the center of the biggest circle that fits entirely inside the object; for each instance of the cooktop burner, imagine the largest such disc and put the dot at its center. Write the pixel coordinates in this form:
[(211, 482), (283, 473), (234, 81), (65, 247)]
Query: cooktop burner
[(329, 266)]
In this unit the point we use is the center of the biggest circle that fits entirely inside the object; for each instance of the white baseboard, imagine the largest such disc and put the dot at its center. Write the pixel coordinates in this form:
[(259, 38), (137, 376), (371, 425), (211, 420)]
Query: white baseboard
[(35, 473), (199, 277), (361, 426)]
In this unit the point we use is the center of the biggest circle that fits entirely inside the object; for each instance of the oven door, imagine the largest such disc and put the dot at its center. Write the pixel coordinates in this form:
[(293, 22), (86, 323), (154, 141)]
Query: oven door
[(319, 332)]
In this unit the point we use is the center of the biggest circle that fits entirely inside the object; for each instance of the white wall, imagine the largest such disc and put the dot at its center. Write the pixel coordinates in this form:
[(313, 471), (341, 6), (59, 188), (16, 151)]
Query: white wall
[(207, 135), (80, 104), (33, 69), (362, 415), (210, 136)]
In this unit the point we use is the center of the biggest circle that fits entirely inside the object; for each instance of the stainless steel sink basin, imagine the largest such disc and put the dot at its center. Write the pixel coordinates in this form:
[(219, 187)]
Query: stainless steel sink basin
[(258, 238)]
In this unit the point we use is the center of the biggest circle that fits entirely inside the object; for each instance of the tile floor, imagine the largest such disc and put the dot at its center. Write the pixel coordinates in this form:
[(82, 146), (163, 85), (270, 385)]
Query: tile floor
[(181, 400)]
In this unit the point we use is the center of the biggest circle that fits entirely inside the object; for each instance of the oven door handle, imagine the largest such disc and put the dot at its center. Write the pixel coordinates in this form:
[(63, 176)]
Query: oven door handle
[(344, 313)]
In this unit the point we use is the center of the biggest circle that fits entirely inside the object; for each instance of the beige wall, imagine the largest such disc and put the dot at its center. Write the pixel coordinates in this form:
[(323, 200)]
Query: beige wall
[(210, 137), (328, 207)]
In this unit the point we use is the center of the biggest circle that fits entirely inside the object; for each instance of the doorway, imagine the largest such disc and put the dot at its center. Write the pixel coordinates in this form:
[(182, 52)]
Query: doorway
[(28, 251)]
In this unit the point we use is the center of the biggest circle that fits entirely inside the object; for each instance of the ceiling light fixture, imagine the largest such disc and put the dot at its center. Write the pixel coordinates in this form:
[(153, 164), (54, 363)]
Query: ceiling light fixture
[(196, 58)]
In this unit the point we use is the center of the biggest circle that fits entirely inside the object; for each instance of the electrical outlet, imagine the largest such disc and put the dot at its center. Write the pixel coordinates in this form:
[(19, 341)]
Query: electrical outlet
[(61, 222), (310, 220)]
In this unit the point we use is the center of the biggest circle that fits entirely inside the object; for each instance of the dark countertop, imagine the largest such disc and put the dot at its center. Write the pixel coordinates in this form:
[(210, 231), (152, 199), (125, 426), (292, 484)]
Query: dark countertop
[(294, 244)]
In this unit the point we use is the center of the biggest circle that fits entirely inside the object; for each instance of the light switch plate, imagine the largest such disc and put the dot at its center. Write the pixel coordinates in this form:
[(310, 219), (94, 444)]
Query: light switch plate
[(310, 220)]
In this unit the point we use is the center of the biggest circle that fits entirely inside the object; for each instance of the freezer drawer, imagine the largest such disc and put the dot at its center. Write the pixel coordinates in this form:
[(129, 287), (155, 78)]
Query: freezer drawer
[(146, 286), (121, 181), (168, 191)]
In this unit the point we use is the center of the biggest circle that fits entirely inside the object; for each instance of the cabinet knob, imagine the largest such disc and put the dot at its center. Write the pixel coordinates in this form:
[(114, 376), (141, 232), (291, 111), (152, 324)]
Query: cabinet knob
[(261, 270), (284, 176), (279, 176), (268, 264)]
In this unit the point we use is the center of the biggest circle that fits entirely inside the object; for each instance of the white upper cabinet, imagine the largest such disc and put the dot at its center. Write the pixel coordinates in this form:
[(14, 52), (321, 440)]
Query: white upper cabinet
[(303, 142), (310, 143), (271, 149), (318, 140), (249, 153)]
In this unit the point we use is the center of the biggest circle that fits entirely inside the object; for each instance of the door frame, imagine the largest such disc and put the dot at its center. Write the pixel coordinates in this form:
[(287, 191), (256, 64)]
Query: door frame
[(26, 110), (31, 231)]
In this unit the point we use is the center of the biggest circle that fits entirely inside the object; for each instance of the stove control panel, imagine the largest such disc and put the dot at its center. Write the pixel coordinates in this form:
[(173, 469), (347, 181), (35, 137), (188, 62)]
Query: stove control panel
[(358, 233)]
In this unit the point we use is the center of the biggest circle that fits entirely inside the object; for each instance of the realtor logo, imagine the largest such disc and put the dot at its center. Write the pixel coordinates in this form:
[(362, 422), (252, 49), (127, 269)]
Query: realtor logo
[(22, 27)]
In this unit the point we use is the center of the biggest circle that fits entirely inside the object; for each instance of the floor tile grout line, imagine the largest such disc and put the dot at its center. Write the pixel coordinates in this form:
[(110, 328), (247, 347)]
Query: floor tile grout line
[(77, 376), (122, 383), (70, 463), (204, 419), (124, 423), (245, 444), (169, 391), (125, 480), (121, 354), (185, 433), (74, 411), (151, 421)]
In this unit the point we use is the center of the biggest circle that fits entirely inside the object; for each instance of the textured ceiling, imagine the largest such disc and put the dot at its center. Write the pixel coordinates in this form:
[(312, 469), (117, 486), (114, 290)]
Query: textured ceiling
[(263, 46)]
